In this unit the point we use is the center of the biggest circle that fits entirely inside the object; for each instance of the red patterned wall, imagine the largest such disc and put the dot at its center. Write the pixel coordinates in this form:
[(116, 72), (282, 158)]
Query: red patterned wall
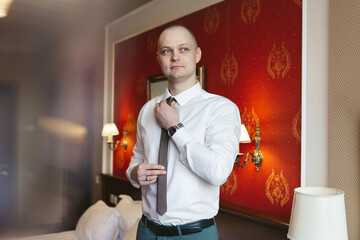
[(252, 54)]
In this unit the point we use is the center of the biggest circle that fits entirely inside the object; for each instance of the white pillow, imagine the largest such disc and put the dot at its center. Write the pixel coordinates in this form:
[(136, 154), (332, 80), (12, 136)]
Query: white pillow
[(130, 212), (98, 222), (131, 234)]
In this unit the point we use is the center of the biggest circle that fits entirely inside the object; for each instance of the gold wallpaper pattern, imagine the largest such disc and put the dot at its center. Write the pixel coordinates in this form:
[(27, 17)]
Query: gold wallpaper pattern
[(277, 189), (278, 62), (211, 20), (250, 10), (296, 128), (230, 186), (229, 69)]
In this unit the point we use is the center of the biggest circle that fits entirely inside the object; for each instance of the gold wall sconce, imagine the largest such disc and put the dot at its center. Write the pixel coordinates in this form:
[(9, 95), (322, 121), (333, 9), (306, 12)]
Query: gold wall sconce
[(109, 130), (256, 156)]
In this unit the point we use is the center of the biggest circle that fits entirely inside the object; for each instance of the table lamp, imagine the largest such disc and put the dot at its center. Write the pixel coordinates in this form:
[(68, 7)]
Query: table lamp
[(318, 213)]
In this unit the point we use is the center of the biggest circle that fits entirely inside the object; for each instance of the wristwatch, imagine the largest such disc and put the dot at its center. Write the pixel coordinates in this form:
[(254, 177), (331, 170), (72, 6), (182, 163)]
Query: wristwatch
[(172, 130)]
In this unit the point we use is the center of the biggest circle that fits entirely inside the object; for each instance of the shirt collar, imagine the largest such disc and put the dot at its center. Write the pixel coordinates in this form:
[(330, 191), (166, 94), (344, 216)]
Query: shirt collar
[(185, 96)]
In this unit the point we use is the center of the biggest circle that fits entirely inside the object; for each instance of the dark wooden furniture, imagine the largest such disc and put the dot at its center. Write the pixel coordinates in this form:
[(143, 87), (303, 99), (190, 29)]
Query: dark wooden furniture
[(116, 186), (232, 225)]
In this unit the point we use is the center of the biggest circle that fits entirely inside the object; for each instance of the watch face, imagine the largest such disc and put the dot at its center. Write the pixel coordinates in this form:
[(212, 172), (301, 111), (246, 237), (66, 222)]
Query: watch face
[(171, 131)]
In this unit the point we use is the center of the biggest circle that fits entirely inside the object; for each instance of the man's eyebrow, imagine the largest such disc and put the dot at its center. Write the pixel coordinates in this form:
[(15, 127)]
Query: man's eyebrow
[(182, 44)]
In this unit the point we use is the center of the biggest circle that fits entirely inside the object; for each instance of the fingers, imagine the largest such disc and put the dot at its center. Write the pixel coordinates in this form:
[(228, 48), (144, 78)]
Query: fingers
[(161, 106), (149, 179), (150, 167), (166, 115), (146, 174), (172, 104), (157, 171)]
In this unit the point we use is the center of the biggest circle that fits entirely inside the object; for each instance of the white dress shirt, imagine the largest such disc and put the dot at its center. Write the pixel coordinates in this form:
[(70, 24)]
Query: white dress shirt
[(201, 155)]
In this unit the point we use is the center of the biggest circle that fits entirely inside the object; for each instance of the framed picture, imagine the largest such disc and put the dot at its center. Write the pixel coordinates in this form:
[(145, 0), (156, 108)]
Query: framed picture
[(156, 84)]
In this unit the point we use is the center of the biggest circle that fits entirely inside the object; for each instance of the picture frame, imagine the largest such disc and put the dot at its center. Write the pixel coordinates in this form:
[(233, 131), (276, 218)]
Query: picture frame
[(156, 84)]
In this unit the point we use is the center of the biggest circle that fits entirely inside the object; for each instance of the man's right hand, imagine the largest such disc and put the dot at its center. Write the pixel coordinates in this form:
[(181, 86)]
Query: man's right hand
[(146, 174)]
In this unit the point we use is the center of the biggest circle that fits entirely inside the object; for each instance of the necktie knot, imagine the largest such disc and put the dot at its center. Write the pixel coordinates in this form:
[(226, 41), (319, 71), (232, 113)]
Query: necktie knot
[(170, 99)]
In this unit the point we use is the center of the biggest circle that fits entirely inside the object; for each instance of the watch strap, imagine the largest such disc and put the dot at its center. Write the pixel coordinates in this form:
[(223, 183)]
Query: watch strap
[(172, 130)]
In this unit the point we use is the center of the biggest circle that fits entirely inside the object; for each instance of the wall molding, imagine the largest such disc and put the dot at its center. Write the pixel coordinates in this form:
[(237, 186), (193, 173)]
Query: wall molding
[(314, 100), (149, 16)]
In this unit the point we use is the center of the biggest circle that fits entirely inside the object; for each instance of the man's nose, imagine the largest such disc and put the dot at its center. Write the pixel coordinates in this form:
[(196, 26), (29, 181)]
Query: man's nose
[(175, 56)]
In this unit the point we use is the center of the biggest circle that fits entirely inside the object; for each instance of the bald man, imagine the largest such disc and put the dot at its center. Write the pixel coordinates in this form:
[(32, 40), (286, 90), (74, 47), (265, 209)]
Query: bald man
[(203, 136)]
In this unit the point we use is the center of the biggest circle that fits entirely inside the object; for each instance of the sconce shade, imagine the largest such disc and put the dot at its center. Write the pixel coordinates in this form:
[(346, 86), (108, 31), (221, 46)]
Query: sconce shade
[(109, 129), (318, 213), (244, 135)]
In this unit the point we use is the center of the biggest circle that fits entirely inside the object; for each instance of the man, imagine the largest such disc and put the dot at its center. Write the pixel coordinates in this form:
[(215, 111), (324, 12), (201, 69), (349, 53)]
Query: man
[(204, 132)]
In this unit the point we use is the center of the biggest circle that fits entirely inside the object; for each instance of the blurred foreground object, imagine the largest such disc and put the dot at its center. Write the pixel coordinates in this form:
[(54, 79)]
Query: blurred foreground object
[(4, 7)]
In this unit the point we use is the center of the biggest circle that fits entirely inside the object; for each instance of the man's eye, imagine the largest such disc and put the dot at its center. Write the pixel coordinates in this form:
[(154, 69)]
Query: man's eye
[(184, 49), (165, 51)]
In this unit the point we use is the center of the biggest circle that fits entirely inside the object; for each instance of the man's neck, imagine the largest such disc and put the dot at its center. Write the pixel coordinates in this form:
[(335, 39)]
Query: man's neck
[(178, 87)]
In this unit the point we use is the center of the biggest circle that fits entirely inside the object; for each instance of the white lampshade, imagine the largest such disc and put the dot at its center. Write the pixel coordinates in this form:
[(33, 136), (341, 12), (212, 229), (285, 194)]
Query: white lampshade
[(109, 130), (318, 213), (244, 135)]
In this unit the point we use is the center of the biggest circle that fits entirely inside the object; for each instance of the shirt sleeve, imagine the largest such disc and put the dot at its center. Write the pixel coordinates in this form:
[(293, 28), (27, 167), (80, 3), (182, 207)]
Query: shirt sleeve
[(214, 159), (138, 151)]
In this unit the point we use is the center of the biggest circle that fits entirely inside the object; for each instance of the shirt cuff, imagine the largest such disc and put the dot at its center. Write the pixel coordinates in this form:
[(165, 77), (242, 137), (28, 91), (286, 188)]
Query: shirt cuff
[(135, 184), (180, 138)]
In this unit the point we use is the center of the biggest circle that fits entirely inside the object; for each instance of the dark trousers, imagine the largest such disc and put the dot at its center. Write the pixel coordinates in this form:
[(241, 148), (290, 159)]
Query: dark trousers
[(209, 233)]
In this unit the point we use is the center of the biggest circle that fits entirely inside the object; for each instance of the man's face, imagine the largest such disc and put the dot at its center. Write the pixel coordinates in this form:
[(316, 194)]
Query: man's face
[(178, 55)]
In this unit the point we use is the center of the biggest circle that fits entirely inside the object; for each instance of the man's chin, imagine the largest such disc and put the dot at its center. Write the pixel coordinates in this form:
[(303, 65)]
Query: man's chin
[(176, 78)]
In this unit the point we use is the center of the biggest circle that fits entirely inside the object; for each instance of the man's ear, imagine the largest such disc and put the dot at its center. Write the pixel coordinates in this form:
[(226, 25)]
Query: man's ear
[(198, 55)]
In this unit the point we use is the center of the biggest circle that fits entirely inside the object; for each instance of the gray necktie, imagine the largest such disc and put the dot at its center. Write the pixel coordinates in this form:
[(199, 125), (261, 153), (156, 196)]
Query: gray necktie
[(161, 184)]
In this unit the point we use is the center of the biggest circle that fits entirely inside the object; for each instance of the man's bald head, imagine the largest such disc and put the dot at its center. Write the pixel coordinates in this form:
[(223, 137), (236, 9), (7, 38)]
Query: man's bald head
[(174, 27)]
